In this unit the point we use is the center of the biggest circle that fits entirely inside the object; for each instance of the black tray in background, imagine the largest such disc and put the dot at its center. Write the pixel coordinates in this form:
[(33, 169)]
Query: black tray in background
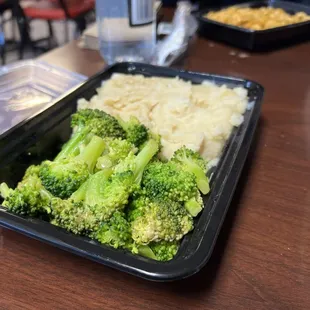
[(41, 137), (262, 40)]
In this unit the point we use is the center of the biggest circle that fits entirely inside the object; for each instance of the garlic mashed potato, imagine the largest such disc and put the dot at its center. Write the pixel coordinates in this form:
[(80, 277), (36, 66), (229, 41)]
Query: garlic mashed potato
[(200, 117)]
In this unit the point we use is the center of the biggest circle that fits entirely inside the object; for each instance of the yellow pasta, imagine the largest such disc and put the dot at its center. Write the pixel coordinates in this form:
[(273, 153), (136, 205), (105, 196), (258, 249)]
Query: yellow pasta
[(257, 18)]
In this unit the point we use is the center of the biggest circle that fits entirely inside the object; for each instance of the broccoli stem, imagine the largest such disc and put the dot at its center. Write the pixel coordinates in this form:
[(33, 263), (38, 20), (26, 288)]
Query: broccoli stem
[(72, 145), (45, 193), (203, 186), (193, 207), (92, 151), (143, 158), (201, 179), (79, 195), (146, 251), (4, 190), (123, 124), (96, 183)]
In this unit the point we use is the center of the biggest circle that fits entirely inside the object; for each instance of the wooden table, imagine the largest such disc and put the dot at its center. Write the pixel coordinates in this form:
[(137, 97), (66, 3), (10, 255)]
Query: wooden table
[(262, 257)]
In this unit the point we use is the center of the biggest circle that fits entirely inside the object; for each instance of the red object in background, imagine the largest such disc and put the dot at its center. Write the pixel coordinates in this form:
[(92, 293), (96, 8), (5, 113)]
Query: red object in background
[(49, 11), (57, 9)]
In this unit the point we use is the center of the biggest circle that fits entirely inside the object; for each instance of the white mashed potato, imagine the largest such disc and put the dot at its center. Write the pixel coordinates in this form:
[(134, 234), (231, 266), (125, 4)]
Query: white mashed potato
[(200, 117)]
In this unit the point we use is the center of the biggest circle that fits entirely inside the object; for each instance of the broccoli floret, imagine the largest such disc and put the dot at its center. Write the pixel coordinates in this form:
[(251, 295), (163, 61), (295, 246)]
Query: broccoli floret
[(136, 208), (163, 250), (108, 195), (98, 122), (137, 163), (127, 164), (32, 171), (112, 194), (116, 150), (73, 216), (193, 162), (93, 203), (101, 196), (28, 198), (155, 220), (136, 132), (119, 149), (167, 181), (116, 232), (64, 176), (182, 152), (83, 219)]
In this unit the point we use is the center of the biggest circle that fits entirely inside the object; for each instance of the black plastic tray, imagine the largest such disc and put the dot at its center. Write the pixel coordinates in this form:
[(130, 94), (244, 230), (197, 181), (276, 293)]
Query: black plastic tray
[(261, 40), (41, 137)]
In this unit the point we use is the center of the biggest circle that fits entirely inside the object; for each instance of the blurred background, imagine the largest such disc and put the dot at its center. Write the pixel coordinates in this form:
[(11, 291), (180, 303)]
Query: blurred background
[(31, 27), (217, 3)]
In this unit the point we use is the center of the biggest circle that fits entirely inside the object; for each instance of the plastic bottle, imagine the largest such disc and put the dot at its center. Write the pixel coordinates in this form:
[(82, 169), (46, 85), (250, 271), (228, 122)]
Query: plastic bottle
[(127, 30)]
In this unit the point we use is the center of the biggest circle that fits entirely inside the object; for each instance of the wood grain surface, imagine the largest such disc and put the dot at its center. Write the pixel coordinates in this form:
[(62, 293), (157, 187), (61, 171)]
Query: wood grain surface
[(262, 257)]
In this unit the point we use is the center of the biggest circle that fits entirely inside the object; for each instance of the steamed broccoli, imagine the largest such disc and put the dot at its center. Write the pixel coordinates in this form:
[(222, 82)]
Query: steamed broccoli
[(101, 195), (28, 198), (193, 162), (5, 190), (195, 204), (108, 183), (83, 219), (164, 250), (167, 181), (156, 220), (115, 151), (115, 232), (89, 206), (73, 216), (63, 176), (136, 132), (72, 147), (161, 251), (137, 163), (113, 193), (32, 170), (98, 122), (108, 195)]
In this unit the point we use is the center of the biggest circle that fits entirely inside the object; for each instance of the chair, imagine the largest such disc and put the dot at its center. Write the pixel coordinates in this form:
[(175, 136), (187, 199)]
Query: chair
[(5, 5), (52, 10)]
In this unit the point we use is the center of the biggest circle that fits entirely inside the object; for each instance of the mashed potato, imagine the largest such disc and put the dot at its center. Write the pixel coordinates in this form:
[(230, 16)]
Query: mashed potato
[(198, 116)]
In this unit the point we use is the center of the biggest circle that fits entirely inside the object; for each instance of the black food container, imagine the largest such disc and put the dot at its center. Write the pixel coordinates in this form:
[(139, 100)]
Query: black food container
[(41, 137), (262, 40)]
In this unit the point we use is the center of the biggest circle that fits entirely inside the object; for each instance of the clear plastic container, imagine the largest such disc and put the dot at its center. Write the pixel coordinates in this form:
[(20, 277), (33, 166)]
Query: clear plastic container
[(26, 87)]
